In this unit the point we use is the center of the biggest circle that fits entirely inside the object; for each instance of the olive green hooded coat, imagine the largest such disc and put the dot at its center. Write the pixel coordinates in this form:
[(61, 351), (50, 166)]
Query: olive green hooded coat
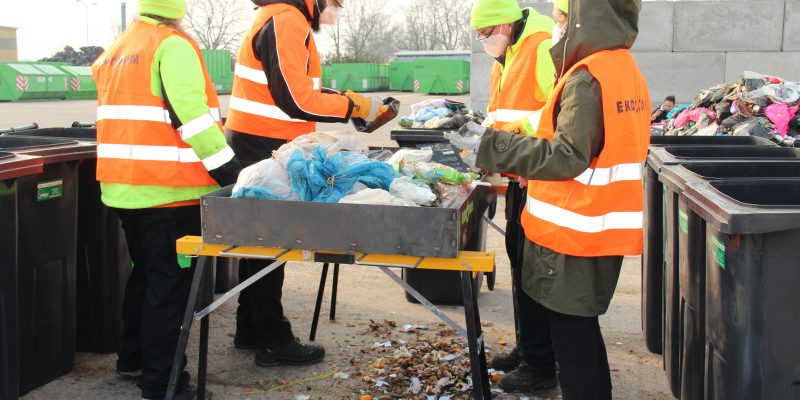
[(566, 284)]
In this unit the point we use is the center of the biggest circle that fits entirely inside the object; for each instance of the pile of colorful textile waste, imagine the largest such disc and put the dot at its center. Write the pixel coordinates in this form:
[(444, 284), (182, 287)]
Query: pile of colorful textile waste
[(440, 114)]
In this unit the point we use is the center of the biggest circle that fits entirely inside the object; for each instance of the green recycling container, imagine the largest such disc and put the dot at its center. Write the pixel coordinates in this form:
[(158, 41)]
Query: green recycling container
[(326, 76), (20, 81), (441, 76), (81, 83), (360, 77), (401, 76), (220, 67), (57, 81)]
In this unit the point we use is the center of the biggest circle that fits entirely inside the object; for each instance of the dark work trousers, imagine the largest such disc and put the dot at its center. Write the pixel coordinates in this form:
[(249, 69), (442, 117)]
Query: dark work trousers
[(533, 333), (583, 371), (156, 293), (259, 317)]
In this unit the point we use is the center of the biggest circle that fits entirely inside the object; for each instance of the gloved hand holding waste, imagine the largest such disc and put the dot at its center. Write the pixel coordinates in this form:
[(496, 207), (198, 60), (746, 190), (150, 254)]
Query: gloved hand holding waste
[(370, 113), (468, 137)]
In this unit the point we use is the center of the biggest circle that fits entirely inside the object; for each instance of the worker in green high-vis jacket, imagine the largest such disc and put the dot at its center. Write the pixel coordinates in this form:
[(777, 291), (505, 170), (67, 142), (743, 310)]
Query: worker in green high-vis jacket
[(159, 148)]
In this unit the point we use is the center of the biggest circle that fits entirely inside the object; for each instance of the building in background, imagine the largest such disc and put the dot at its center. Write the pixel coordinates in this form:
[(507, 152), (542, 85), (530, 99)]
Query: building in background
[(8, 44)]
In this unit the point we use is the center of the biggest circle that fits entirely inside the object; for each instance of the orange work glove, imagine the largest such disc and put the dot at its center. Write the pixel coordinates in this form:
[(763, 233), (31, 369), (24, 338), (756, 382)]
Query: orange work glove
[(366, 108)]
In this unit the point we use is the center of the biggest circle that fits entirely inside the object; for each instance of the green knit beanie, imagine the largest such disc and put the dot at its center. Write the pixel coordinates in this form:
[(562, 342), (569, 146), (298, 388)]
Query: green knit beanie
[(172, 9), (488, 13), (563, 5)]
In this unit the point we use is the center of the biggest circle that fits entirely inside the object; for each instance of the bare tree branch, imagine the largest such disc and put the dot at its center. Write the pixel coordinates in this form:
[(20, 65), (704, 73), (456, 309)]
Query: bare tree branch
[(216, 24)]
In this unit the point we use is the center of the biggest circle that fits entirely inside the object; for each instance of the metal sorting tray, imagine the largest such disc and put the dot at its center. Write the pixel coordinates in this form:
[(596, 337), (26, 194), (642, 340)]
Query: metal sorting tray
[(355, 228)]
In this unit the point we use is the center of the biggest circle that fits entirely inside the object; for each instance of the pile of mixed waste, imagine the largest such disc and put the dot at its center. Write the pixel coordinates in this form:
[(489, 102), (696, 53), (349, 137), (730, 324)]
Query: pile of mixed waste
[(440, 114), (759, 105), (338, 168)]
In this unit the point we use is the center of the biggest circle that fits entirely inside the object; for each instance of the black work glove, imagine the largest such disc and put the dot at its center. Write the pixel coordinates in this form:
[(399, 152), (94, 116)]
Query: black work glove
[(228, 173)]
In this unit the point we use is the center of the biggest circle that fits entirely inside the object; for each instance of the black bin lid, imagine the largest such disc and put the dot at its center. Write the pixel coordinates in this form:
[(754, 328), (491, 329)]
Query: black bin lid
[(733, 152), (11, 143), (71, 133), (756, 169), (710, 141)]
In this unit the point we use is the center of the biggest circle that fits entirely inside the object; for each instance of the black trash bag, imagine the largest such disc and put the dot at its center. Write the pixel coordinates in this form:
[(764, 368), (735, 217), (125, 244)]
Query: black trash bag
[(729, 123), (758, 127), (723, 110)]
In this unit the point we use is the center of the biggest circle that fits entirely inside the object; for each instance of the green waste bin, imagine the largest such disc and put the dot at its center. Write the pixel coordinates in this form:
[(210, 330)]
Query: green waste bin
[(326, 76), (692, 253), (103, 261), (20, 81), (12, 167), (46, 252), (401, 76), (441, 76), (220, 67), (81, 83), (752, 298), (671, 223), (653, 254), (57, 81), (359, 77)]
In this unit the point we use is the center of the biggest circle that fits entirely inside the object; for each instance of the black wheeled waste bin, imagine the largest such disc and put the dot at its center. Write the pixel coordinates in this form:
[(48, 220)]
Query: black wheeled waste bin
[(46, 246), (752, 298), (689, 334), (653, 252), (12, 167), (103, 263), (670, 156), (439, 287)]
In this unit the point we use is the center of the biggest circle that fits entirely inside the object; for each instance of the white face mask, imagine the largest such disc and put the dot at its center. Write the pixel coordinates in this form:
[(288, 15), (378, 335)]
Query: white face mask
[(330, 15), (496, 44), (558, 33)]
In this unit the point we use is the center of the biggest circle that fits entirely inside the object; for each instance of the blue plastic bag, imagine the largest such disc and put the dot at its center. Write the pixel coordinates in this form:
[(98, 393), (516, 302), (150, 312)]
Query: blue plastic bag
[(328, 179)]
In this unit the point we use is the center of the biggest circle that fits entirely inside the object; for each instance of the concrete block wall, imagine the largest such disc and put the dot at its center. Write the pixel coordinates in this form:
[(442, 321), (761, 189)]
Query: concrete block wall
[(686, 45)]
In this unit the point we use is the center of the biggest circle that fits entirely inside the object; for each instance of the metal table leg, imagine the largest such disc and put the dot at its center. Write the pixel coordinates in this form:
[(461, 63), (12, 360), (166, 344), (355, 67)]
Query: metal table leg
[(334, 290), (186, 326), (202, 363), (481, 388), (320, 293)]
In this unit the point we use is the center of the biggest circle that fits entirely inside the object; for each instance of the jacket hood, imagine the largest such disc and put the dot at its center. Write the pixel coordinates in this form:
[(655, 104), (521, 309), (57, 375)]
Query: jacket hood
[(593, 26), (309, 8)]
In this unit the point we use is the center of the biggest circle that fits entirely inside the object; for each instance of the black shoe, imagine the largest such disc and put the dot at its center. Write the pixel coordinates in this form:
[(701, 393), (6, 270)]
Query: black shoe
[(523, 380), (187, 393), (506, 362), (244, 343), (129, 374), (292, 353)]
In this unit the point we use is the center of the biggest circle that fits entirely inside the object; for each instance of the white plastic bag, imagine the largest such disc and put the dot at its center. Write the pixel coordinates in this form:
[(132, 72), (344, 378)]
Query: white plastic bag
[(268, 174), (405, 188), (333, 142), (375, 197)]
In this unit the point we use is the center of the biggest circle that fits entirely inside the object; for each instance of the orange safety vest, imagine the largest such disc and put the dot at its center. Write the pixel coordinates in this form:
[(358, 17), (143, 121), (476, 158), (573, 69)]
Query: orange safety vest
[(520, 95), (136, 142), (600, 212), (252, 107)]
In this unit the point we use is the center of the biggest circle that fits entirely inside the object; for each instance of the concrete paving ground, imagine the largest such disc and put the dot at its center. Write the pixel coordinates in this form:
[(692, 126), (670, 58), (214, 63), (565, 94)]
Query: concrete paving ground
[(364, 294)]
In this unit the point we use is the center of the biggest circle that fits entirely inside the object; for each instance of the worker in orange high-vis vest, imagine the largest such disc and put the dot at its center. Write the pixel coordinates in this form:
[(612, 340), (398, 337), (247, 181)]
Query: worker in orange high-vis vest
[(522, 78), (584, 207), (277, 96), (160, 146)]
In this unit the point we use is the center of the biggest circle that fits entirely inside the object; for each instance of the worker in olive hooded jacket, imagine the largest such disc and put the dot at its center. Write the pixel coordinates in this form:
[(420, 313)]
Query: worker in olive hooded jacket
[(521, 81), (584, 207)]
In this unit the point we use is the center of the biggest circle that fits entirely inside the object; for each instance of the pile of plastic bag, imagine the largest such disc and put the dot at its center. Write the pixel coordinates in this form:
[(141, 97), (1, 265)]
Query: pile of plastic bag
[(331, 168), (440, 114), (758, 105)]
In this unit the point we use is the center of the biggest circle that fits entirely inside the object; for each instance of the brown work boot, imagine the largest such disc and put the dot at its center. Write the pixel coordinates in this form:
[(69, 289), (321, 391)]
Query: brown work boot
[(524, 380), (505, 362)]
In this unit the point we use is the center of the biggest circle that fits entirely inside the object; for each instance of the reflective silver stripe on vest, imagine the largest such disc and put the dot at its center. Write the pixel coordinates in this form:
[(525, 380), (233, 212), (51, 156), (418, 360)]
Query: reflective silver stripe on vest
[(263, 110), (251, 74), (146, 153), (581, 223), (197, 126), (219, 159), (607, 176), (133, 113), (506, 115)]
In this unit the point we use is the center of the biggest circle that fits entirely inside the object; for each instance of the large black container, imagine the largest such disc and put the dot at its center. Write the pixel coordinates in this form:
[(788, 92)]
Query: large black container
[(684, 286), (103, 263), (46, 246), (12, 167), (439, 287), (752, 297), (670, 156), (653, 252)]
